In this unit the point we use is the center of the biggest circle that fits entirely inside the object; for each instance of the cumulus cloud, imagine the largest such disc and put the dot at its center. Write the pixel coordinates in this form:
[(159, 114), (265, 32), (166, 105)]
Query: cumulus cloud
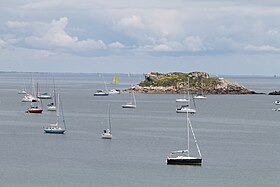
[(155, 26), (54, 35), (116, 45)]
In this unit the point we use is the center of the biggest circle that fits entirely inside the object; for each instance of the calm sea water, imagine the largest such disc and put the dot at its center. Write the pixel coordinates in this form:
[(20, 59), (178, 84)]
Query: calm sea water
[(238, 136)]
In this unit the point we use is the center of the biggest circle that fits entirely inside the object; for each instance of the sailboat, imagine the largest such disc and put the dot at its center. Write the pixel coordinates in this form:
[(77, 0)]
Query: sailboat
[(200, 95), (56, 128), (186, 107), (182, 157), (30, 97), (107, 133), (23, 90), (45, 95), (186, 96), (101, 92), (52, 106), (132, 103), (34, 106), (115, 79)]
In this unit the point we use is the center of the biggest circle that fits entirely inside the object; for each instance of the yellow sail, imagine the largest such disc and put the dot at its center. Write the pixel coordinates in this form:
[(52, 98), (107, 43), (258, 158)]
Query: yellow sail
[(115, 79)]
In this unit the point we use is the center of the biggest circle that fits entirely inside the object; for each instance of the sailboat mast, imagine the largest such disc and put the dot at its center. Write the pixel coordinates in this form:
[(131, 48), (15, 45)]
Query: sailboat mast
[(57, 109), (188, 133), (54, 94), (109, 117), (105, 84), (188, 88)]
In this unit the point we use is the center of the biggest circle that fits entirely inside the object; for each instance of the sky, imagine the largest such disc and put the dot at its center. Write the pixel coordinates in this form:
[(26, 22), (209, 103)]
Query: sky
[(231, 37)]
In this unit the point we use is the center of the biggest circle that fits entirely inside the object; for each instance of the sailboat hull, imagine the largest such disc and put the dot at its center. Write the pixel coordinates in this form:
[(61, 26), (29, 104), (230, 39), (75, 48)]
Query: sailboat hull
[(106, 136), (184, 161), (55, 131), (100, 94), (128, 106), (34, 111), (199, 97), (188, 110), (44, 97)]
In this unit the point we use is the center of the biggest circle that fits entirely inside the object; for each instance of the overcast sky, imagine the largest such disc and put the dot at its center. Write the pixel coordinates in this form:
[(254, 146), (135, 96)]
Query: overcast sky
[(238, 37)]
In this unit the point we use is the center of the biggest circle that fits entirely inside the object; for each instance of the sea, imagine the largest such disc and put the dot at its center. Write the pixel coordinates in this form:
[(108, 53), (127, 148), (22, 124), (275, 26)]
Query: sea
[(238, 135)]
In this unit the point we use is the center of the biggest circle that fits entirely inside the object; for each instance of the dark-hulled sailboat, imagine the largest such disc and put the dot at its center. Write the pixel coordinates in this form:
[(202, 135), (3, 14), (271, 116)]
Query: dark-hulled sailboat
[(182, 157)]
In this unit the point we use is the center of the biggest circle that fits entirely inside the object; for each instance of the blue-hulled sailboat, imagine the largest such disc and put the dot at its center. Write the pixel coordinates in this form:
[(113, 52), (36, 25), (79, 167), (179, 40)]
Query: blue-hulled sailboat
[(56, 128)]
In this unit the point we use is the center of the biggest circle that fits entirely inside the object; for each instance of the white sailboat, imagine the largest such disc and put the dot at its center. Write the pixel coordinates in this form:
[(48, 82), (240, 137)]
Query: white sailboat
[(102, 92), (182, 157), (132, 103), (107, 133), (114, 91), (200, 95), (22, 91), (52, 106), (186, 107), (30, 97), (45, 95), (56, 128), (186, 97)]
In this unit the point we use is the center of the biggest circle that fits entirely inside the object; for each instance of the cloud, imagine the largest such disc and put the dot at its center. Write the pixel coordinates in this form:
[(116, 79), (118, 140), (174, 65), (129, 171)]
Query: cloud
[(2, 43), (132, 21), (262, 48), (194, 44), (54, 36), (16, 24), (184, 26), (116, 45)]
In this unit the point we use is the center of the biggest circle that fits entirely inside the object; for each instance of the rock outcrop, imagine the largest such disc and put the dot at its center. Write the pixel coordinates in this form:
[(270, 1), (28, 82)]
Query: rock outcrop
[(177, 82), (277, 92)]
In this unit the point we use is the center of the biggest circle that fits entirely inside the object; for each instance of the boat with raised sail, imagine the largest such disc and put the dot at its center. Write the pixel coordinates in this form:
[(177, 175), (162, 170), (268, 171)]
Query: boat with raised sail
[(115, 79), (182, 157), (107, 133), (132, 103), (56, 128)]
